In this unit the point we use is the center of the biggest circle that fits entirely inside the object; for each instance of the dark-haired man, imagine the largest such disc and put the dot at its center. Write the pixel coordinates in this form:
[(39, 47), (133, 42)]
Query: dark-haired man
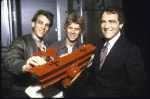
[(20, 57), (119, 69)]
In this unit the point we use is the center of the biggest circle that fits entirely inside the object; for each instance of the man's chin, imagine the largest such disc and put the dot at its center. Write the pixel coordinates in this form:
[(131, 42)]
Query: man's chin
[(41, 36), (72, 40)]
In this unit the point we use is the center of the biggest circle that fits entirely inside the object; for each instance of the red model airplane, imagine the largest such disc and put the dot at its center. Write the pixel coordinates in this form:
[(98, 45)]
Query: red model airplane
[(67, 68)]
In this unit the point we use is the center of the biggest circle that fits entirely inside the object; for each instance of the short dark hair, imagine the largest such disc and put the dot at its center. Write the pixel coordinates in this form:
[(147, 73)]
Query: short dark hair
[(76, 19), (49, 15), (114, 10)]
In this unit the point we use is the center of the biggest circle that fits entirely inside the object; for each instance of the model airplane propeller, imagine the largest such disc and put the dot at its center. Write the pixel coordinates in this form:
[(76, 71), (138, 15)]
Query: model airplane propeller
[(66, 68)]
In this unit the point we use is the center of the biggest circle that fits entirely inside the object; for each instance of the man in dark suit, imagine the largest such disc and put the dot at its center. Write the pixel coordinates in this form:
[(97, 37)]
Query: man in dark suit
[(122, 73)]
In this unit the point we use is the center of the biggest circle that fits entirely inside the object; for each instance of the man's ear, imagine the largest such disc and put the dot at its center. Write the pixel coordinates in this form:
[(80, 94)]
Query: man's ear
[(81, 33), (120, 26), (33, 24)]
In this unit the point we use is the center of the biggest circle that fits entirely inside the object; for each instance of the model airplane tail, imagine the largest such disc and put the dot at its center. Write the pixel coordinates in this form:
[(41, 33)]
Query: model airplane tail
[(66, 68), (50, 52)]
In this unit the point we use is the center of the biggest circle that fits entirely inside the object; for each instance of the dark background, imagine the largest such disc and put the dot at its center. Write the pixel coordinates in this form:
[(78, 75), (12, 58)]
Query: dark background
[(137, 26)]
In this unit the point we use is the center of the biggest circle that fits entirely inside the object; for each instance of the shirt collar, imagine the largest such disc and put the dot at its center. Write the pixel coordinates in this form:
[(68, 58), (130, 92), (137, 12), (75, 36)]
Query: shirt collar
[(64, 45), (43, 47), (113, 40)]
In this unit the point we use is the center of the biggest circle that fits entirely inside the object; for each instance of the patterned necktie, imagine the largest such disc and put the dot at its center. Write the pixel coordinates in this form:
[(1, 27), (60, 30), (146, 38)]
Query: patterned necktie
[(103, 54)]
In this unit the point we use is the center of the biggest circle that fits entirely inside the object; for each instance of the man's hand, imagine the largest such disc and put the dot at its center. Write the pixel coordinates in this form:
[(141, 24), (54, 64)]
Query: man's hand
[(92, 57), (90, 61), (64, 55), (33, 61)]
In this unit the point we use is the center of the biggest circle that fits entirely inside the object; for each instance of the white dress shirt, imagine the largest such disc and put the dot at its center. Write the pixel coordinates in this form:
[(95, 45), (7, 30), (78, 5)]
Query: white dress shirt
[(112, 42), (69, 49)]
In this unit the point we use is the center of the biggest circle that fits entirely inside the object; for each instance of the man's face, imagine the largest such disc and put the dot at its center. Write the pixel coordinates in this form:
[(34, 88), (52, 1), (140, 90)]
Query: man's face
[(73, 32), (41, 26), (110, 25)]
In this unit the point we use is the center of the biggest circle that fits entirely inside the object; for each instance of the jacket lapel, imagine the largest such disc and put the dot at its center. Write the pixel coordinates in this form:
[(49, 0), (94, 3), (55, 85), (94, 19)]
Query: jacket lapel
[(61, 48), (97, 54), (113, 53)]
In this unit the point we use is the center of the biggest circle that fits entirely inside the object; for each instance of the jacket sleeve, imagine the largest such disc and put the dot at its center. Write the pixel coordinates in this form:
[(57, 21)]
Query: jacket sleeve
[(55, 44), (14, 58), (136, 74)]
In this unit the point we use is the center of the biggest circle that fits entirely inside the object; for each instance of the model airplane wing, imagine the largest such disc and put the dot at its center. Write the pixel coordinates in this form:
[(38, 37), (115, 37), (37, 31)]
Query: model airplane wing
[(66, 67)]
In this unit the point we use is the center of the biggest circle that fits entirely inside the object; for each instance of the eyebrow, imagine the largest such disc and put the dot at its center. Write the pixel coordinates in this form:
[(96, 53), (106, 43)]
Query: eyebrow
[(108, 20), (39, 20), (71, 27), (112, 20), (42, 22)]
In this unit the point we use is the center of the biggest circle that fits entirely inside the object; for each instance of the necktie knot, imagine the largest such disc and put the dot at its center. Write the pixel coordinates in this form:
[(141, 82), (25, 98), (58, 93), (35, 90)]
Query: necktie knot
[(106, 46)]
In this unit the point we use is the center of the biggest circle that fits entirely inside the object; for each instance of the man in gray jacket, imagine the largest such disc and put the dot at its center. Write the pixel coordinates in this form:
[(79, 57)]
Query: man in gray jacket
[(74, 27), (20, 57)]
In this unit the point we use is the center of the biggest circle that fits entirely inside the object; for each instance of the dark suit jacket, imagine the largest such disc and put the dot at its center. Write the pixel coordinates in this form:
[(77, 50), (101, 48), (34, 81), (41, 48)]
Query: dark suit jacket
[(123, 72)]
